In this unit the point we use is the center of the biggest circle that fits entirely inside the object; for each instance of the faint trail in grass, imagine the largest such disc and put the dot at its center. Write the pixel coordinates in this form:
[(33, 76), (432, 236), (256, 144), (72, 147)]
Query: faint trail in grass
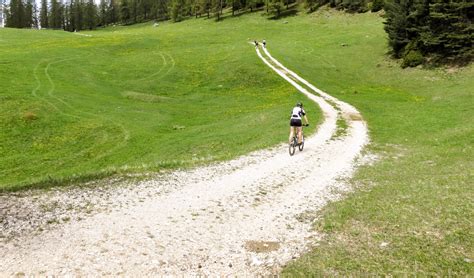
[(124, 131), (173, 63), (156, 74), (79, 114), (34, 93)]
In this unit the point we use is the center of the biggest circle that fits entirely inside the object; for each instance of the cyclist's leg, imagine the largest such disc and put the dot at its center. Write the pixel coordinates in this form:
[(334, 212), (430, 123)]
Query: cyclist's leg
[(292, 132), (299, 134)]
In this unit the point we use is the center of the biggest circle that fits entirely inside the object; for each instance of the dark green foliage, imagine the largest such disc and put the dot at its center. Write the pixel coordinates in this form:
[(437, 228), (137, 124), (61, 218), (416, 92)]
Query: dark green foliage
[(439, 29), (91, 15), (412, 59), (160, 10), (44, 21), (125, 11), (397, 25), (177, 10), (56, 17), (16, 16), (352, 6), (449, 33), (102, 16), (377, 5), (28, 21), (275, 7), (112, 12), (77, 15)]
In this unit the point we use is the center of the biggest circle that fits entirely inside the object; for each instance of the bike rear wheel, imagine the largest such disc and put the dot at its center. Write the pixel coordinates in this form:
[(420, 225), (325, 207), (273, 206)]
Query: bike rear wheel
[(292, 147)]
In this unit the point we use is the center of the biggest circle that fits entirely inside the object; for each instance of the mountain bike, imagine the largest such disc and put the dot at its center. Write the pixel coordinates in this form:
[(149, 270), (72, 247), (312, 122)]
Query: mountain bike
[(294, 142)]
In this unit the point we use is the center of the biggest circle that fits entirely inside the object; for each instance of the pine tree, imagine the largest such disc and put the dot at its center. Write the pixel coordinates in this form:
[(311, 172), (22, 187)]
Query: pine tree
[(44, 20), (77, 16), (145, 9), (56, 16), (12, 15), (16, 15), (275, 7), (133, 4), (177, 10), (125, 11), (160, 10), (448, 33), (103, 13), (396, 26), (90, 15), (28, 21), (112, 12)]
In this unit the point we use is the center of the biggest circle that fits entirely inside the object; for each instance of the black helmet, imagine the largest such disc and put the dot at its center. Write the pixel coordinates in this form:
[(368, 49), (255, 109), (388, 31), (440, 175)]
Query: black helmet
[(299, 104)]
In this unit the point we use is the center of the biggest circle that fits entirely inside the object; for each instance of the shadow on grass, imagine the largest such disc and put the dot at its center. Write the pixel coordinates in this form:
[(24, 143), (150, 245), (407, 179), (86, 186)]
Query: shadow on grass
[(228, 14), (292, 11)]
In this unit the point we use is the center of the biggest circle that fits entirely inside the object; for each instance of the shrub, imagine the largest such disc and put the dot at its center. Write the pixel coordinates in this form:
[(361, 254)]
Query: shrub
[(412, 59)]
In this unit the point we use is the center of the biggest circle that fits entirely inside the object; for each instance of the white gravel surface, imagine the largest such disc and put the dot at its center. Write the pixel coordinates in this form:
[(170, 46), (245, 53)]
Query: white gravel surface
[(247, 216)]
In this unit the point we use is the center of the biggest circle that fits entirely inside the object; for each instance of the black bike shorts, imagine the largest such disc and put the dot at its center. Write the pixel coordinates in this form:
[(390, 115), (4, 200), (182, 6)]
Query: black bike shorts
[(296, 122)]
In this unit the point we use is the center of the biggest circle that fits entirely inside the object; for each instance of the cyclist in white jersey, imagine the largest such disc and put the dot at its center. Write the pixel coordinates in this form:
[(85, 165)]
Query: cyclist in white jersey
[(296, 122)]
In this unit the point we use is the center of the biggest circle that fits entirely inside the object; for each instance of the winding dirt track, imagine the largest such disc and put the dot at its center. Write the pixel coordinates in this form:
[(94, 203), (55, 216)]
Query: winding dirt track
[(246, 216)]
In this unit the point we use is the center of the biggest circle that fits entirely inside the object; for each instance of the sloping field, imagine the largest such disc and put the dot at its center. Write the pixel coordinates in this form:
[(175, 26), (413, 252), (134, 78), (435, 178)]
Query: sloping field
[(134, 99), (412, 210)]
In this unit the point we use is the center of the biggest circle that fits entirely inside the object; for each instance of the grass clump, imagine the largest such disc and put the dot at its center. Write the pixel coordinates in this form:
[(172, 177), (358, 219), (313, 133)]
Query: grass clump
[(29, 116)]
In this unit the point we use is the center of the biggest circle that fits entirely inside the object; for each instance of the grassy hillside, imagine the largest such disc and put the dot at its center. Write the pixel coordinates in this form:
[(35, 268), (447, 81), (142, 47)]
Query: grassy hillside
[(102, 104), (139, 98)]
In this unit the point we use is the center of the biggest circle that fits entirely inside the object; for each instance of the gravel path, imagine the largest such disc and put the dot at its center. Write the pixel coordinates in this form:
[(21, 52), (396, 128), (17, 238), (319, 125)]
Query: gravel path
[(247, 216)]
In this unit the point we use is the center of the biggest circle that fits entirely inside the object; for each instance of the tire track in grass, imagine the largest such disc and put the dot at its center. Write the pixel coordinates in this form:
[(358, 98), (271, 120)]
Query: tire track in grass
[(156, 74), (71, 157), (124, 131), (80, 115)]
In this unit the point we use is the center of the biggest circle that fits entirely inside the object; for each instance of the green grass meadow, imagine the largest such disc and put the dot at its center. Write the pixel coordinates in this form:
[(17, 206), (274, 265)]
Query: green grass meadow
[(142, 99), (134, 99)]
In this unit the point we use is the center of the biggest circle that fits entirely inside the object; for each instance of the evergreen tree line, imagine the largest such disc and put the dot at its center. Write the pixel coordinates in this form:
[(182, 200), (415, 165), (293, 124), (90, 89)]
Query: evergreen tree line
[(433, 31), (22, 14), (353, 6), (78, 15), (419, 31)]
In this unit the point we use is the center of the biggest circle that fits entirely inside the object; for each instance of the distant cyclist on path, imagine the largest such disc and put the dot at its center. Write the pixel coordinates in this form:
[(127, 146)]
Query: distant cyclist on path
[(296, 121)]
